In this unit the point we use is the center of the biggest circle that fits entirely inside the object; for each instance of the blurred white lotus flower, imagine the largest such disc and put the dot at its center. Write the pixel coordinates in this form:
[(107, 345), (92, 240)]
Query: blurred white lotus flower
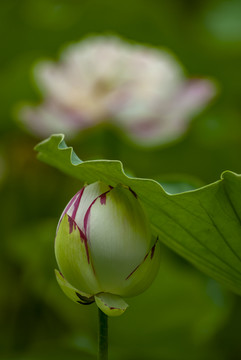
[(141, 89)]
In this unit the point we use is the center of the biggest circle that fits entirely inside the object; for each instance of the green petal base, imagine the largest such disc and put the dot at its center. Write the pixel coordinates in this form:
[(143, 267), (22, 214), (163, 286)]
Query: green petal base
[(111, 305), (73, 293)]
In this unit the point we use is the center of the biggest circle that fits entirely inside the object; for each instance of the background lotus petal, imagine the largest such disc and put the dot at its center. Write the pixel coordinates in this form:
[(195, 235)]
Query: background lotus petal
[(129, 86)]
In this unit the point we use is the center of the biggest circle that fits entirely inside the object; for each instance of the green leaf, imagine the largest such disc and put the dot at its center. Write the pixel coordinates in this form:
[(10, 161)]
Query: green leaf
[(203, 225)]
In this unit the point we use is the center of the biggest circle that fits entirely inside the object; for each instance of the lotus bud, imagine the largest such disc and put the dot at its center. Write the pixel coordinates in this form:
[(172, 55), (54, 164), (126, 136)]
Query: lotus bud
[(104, 247)]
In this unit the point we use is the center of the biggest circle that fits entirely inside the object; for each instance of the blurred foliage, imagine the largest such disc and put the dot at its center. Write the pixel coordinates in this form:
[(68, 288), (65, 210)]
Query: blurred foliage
[(184, 315)]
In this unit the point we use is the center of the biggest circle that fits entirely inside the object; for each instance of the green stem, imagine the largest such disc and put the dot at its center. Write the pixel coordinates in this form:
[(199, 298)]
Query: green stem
[(103, 336)]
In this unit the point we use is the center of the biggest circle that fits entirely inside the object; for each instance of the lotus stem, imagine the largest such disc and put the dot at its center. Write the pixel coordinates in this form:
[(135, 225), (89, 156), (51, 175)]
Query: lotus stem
[(103, 336)]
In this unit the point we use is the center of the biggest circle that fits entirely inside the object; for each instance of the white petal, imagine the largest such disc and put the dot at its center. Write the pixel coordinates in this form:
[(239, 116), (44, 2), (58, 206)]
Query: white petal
[(81, 202), (119, 237), (143, 275)]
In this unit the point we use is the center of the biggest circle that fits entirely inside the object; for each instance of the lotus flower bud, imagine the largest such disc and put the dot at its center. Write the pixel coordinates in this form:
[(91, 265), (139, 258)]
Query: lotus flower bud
[(104, 247)]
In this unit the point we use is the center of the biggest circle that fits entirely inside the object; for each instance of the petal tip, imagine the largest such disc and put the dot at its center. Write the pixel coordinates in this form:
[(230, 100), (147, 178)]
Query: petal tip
[(111, 305)]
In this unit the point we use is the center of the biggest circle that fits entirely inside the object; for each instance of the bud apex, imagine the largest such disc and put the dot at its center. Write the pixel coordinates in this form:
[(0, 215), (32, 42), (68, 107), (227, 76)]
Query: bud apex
[(104, 247)]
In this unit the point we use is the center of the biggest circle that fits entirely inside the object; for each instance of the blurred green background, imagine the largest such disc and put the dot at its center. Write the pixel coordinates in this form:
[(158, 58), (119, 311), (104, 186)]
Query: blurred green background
[(184, 315)]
